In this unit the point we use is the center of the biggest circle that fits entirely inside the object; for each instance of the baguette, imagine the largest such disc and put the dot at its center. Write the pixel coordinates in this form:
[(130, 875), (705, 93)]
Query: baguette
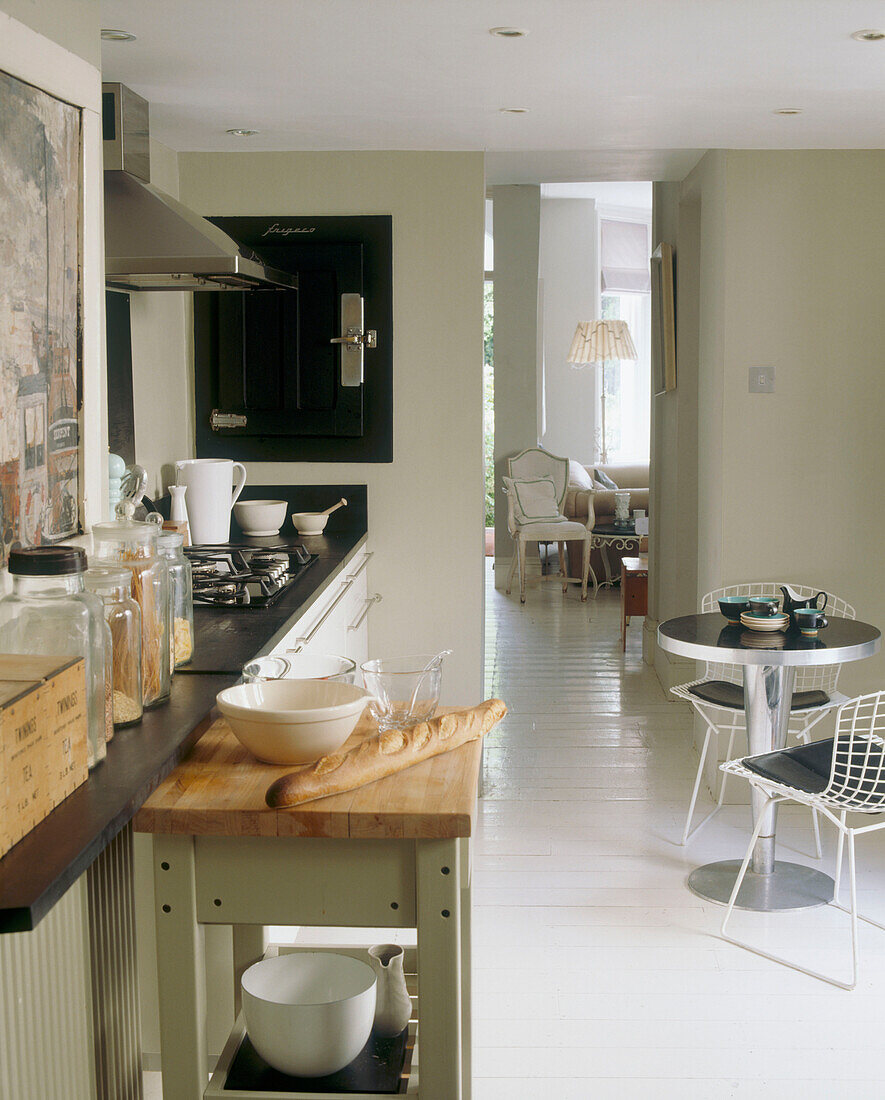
[(384, 754)]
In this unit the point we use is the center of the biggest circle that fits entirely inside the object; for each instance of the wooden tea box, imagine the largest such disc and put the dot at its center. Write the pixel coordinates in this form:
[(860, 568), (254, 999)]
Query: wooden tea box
[(42, 739)]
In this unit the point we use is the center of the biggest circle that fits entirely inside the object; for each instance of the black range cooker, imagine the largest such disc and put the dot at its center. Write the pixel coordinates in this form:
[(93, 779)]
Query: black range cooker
[(233, 575)]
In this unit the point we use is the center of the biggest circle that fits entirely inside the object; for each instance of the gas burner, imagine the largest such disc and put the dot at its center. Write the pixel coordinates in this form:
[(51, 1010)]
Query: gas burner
[(234, 575)]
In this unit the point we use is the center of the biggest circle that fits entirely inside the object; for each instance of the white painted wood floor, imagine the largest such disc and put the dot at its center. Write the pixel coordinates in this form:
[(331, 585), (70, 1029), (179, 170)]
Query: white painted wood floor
[(597, 973)]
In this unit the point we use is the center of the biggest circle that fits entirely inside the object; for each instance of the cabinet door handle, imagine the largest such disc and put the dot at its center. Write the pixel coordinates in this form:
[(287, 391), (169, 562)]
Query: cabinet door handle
[(300, 643), (362, 565), (358, 621)]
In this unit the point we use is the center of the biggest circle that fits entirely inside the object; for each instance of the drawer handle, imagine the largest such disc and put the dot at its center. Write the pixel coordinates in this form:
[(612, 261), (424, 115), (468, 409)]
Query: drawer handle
[(362, 565), (300, 643), (358, 622)]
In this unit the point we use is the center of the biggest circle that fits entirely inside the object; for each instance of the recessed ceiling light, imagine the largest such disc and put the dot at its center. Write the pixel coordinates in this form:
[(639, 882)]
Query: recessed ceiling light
[(788, 111), (513, 110), (242, 133), (508, 32), (109, 34), (869, 36)]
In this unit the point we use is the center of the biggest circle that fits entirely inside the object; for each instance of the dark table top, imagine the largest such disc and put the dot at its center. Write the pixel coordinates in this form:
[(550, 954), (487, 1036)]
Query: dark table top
[(41, 867), (711, 638), (611, 529)]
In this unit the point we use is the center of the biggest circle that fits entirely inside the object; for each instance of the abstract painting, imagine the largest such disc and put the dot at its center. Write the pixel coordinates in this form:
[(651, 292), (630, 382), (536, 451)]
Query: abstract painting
[(40, 217)]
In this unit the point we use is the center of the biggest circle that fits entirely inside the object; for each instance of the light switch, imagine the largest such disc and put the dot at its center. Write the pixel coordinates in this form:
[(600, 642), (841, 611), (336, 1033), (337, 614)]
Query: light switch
[(761, 379)]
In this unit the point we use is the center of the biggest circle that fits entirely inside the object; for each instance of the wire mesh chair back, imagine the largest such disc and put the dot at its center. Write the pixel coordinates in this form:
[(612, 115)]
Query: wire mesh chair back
[(536, 462), (814, 677), (857, 773)]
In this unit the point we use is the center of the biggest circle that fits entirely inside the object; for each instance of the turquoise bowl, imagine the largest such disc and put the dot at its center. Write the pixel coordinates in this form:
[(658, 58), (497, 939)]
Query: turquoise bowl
[(732, 606)]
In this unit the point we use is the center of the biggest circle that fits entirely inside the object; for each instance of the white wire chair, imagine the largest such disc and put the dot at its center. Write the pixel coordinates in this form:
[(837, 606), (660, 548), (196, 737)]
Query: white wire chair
[(855, 784), (728, 718)]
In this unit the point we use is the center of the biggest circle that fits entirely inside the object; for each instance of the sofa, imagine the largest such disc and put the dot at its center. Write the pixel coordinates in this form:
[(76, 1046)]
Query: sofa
[(634, 478)]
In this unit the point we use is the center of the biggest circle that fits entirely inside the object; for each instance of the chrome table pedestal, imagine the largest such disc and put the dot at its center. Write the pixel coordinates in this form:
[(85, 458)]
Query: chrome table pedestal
[(770, 884), (769, 672)]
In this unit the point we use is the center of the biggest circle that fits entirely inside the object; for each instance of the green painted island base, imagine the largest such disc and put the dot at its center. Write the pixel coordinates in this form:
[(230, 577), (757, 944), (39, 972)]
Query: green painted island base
[(250, 882)]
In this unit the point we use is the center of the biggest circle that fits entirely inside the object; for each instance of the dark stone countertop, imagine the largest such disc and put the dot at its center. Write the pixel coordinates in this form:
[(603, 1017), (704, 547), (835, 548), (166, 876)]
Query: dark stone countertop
[(41, 867)]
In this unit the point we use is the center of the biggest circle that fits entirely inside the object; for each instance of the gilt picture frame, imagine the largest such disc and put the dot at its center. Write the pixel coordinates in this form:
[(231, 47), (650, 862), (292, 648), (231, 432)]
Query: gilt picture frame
[(663, 319)]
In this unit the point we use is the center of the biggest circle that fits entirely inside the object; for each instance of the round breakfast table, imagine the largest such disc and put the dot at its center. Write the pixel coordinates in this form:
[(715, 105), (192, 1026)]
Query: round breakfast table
[(769, 667)]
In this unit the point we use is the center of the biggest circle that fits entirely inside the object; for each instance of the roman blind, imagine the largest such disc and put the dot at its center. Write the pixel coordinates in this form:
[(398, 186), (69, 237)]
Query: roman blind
[(624, 265)]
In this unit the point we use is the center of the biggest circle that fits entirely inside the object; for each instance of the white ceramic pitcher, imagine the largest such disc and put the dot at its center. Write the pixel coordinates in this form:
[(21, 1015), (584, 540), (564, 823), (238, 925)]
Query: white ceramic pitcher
[(213, 486)]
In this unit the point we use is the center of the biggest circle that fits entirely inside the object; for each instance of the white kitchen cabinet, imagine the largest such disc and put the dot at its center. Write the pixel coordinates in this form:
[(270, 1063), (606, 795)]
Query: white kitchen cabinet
[(339, 620)]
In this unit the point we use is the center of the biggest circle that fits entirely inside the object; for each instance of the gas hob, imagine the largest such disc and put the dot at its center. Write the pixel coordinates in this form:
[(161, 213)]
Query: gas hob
[(234, 575)]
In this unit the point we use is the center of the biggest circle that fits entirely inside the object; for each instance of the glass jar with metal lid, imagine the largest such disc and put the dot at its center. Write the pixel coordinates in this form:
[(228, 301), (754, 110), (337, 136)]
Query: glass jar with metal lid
[(49, 612), (169, 544), (123, 615), (133, 544)]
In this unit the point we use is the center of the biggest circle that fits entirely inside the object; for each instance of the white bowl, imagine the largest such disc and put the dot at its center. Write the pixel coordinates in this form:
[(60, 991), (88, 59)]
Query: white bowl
[(309, 1013), (260, 517), (292, 721), (309, 523)]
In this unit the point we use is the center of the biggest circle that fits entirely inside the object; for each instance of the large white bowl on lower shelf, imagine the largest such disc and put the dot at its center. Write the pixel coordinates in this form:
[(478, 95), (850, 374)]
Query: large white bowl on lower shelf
[(309, 1013), (292, 721)]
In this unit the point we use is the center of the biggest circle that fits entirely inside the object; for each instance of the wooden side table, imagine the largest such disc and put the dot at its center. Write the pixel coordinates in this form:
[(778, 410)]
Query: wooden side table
[(634, 592), (394, 853)]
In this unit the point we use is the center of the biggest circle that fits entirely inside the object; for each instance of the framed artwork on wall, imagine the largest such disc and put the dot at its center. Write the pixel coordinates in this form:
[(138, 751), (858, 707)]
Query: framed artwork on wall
[(663, 319), (40, 323)]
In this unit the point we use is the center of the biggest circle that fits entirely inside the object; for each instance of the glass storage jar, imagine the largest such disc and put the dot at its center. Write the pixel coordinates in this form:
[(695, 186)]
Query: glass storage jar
[(123, 616), (49, 612), (170, 545), (129, 542)]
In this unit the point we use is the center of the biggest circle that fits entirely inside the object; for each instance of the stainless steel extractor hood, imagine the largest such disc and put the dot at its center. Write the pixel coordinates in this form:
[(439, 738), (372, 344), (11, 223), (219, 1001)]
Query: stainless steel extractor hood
[(152, 241)]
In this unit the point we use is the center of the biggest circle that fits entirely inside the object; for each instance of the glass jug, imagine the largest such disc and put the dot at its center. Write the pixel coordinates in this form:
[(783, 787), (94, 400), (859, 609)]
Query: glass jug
[(133, 544), (49, 612)]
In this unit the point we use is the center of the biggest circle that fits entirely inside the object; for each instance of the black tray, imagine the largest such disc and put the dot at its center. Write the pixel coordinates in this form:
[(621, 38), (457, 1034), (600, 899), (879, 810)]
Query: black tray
[(379, 1067)]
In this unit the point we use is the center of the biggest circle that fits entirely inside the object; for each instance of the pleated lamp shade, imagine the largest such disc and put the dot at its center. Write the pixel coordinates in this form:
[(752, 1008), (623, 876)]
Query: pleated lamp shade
[(599, 341)]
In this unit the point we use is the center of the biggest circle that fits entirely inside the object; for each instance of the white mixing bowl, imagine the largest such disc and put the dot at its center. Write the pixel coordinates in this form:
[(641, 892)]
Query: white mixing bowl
[(292, 721), (260, 517), (309, 1013), (309, 523)]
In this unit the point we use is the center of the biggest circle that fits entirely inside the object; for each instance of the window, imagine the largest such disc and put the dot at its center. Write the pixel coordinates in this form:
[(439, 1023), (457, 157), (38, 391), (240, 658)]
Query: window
[(625, 285)]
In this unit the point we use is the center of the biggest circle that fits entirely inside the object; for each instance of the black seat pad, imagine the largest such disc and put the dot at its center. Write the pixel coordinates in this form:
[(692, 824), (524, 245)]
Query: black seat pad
[(807, 767), (724, 694), (804, 767)]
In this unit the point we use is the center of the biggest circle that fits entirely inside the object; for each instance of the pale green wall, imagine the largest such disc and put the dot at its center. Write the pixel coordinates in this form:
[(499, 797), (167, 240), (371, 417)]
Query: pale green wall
[(517, 220), (790, 275), (426, 508), (162, 360)]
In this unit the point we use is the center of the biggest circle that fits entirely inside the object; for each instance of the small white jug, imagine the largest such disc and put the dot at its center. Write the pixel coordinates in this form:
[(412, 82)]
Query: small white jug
[(213, 486), (393, 1005)]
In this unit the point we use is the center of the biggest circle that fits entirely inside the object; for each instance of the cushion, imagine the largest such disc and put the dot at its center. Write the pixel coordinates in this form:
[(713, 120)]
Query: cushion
[(724, 694), (534, 500), (578, 478), (807, 767), (603, 478)]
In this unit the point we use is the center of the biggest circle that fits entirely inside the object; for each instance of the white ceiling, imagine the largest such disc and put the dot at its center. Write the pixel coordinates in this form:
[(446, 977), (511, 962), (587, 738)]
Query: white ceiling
[(630, 90)]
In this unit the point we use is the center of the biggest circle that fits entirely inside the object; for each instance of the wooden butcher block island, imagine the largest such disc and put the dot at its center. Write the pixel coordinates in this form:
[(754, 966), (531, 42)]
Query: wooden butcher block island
[(391, 854), (219, 791)]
